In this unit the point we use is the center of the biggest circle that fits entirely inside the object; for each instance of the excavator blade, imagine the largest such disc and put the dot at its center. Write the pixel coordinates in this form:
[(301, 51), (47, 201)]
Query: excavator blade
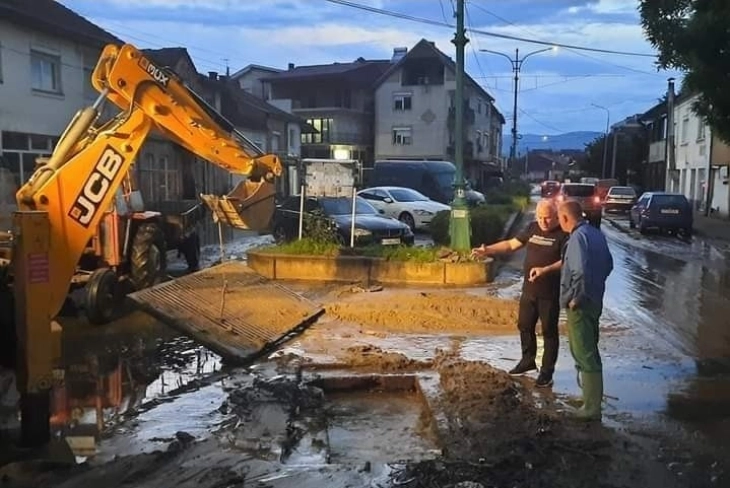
[(230, 309), (249, 206)]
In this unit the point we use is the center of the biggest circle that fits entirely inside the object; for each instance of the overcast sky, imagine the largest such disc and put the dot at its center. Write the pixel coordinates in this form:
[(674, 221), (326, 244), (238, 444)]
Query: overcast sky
[(557, 89)]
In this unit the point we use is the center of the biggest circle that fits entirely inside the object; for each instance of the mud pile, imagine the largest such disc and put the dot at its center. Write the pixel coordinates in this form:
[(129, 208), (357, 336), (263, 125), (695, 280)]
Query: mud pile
[(497, 432), (409, 311)]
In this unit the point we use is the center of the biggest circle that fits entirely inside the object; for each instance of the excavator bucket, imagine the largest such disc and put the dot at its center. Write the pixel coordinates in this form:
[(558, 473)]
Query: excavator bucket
[(249, 206)]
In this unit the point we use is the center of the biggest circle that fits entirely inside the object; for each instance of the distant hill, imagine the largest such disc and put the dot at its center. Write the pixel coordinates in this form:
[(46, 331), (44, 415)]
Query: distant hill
[(569, 140)]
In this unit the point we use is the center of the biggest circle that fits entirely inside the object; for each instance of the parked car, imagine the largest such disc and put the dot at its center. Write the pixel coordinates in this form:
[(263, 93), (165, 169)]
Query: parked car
[(663, 211), (371, 226), (620, 199), (409, 206), (586, 195), (603, 185), (435, 179), (549, 188)]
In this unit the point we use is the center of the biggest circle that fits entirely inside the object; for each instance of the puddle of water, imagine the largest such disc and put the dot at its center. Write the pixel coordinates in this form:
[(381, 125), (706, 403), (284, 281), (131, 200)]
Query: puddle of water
[(376, 427), (110, 374)]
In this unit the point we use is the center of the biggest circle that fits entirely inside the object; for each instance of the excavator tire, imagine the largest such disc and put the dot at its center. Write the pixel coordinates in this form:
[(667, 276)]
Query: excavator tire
[(148, 259), (101, 299), (8, 338)]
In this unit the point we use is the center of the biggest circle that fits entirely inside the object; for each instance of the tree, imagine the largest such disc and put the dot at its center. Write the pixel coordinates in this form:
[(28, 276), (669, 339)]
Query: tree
[(692, 36), (630, 154)]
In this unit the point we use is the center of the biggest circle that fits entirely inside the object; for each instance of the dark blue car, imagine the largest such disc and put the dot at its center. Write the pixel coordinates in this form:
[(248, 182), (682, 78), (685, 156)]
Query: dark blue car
[(662, 211)]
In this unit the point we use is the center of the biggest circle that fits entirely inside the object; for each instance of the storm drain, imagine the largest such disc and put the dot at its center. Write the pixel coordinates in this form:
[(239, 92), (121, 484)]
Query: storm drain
[(230, 309)]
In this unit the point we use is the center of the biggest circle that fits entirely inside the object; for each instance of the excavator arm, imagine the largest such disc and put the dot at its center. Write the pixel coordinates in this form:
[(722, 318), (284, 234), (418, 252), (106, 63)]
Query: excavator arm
[(89, 164)]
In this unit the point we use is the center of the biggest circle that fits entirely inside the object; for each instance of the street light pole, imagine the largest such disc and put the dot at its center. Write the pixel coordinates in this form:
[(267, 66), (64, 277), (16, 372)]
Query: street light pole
[(605, 139), (516, 63), (459, 225)]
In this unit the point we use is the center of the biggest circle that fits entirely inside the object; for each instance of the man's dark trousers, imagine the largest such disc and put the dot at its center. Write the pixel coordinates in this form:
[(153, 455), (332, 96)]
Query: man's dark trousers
[(548, 311)]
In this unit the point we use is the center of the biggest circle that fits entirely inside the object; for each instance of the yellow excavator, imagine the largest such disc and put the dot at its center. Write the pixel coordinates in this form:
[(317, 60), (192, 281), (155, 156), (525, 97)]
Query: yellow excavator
[(80, 203)]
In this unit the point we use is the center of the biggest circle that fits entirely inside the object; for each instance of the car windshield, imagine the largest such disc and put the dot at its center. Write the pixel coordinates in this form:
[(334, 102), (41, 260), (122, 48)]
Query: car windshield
[(343, 206), (579, 190), (669, 200), (407, 195), (622, 190)]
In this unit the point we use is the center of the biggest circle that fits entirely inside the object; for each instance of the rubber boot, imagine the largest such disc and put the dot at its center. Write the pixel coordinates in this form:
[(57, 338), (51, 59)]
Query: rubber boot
[(592, 384)]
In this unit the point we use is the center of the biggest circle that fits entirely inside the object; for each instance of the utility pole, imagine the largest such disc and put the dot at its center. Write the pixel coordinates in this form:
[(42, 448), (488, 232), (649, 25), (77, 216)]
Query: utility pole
[(459, 225), (669, 156), (516, 68), (613, 154), (516, 65), (605, 139)]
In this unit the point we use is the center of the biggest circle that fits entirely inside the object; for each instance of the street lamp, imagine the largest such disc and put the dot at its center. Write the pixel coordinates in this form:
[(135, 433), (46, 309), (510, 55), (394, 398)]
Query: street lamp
[(605, 139), (516, 63)]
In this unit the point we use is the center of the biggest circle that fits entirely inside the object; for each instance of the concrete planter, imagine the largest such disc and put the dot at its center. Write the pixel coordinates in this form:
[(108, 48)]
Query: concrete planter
[(369, 270)]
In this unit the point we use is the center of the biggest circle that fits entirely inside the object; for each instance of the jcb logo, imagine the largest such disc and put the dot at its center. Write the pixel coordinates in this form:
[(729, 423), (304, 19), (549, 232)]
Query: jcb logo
[(97, 186), (155, 72)]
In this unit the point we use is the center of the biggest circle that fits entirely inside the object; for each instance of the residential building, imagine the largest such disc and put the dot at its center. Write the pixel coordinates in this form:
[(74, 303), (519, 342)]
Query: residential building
[(719, 201), (692, 151), (545, 165), (47, 54), (415, 110), (250, 79), (336, 100), (627, 139), (654, 166)]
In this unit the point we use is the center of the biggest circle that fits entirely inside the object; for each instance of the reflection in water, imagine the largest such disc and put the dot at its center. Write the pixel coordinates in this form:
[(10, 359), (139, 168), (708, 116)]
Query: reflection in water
[(685, 302), (102, 379)]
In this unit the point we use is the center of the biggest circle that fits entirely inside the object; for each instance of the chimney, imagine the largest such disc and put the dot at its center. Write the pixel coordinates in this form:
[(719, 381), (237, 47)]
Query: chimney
[(398, 54), (291, 66), (213, 75)]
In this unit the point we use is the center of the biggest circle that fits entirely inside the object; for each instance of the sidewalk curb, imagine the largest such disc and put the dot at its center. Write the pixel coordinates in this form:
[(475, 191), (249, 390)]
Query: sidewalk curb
[(616, 225), (512, 222)]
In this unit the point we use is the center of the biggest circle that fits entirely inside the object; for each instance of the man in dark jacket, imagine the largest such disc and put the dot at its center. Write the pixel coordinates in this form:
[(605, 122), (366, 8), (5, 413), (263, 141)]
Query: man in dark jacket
[(544, 241), (587, 263)]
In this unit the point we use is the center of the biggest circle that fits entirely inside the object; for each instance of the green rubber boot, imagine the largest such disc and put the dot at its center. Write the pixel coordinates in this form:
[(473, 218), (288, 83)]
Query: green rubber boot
[(592, 385)]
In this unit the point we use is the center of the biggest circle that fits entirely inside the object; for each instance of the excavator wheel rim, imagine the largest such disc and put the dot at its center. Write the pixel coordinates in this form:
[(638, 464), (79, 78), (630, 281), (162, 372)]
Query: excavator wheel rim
[(101, 298)]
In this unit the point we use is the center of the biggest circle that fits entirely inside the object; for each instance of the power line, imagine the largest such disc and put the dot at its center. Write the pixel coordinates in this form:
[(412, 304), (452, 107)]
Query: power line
[(437, 23), (547, 126), (573, 51)]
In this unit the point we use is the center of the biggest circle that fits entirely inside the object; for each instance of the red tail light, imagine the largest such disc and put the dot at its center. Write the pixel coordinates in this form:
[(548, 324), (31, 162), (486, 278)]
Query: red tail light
[(597, 199)]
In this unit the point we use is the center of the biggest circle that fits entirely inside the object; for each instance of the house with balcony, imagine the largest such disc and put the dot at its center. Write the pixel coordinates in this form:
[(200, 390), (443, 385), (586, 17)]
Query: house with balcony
[(692, 151), (415, 113), (336, 100), (251, 79), (654, 166), (47, 54)]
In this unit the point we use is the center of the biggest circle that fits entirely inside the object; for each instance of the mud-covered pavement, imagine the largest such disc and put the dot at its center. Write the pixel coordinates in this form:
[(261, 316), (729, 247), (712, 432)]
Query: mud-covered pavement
[(367, 397)]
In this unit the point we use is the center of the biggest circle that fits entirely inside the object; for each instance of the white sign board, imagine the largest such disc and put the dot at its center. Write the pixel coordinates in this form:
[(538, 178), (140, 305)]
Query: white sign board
[(329, 177)]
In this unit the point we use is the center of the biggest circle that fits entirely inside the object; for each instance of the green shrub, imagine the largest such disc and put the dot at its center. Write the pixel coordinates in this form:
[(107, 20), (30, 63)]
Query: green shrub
[(498, 197), (312, 247), (317, 227), (516, 188), (487, 224)]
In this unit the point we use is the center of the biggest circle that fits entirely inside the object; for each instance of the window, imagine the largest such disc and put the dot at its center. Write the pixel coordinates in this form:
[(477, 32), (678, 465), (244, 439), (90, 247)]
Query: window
[(1, 63), (45, 72), (402, 136), (402, 101), (685, 130), (701, 128), (323, 126)]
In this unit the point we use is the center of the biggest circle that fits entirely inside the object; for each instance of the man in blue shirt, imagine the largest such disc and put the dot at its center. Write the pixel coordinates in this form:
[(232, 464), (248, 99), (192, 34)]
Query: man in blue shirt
[(587, 262)]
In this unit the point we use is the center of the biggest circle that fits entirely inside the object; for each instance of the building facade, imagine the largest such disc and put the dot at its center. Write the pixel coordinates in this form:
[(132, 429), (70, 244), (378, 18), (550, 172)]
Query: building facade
[(415, 110), (692, 152), (655, 163), (336, 100)]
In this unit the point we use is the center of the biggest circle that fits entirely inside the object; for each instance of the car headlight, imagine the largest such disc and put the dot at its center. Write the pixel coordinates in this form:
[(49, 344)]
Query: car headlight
[(362, 233), (422, 212)]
